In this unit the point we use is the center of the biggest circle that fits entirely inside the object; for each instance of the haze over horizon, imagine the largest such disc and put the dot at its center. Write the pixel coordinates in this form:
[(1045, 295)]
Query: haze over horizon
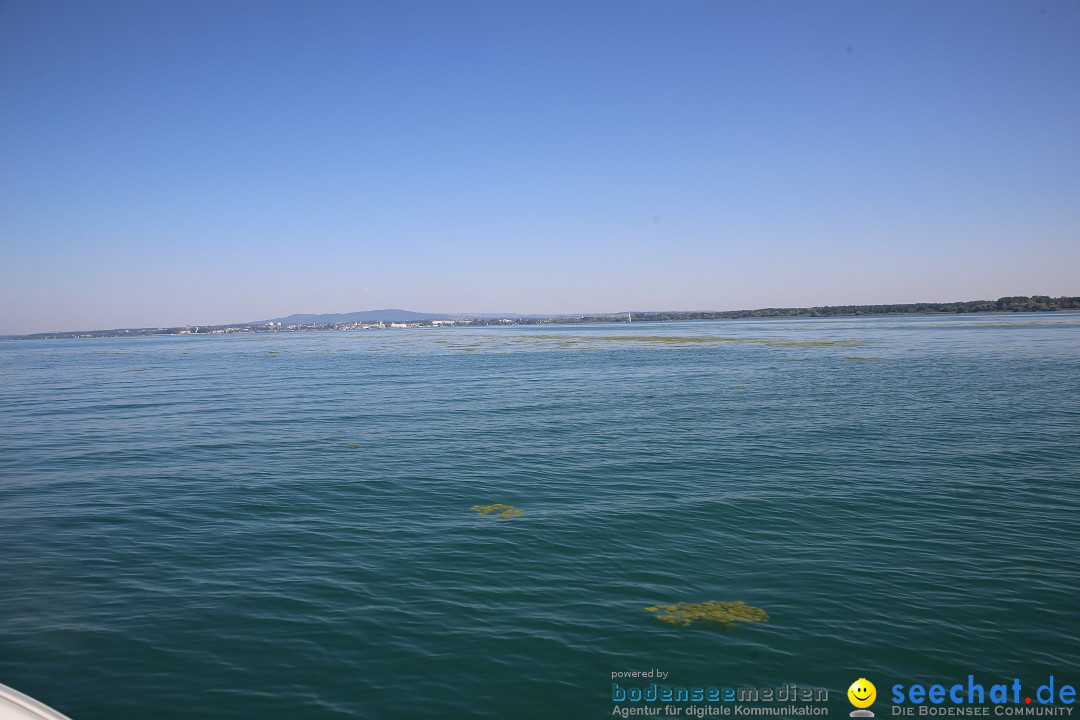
[(408, 315), (204, 163)]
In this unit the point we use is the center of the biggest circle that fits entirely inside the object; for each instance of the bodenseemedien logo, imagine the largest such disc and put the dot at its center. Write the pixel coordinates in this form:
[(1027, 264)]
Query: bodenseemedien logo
[(862, 694)]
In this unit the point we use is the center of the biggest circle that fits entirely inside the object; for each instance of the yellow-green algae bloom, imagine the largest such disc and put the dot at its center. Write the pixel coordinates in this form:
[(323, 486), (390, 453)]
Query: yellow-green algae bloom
[(488, 509), (505, 511), (692, 339), (725, 614)]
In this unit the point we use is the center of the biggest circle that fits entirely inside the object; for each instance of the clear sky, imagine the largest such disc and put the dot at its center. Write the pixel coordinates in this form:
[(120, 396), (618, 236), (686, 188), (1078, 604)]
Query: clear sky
[(217, 161)]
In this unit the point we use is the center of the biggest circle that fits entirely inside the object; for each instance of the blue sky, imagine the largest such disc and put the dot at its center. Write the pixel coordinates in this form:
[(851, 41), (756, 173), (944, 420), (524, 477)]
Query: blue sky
[(167, 163)]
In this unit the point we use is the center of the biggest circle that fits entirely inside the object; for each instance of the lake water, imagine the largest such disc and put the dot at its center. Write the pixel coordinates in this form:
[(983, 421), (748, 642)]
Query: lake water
[(279, 525)]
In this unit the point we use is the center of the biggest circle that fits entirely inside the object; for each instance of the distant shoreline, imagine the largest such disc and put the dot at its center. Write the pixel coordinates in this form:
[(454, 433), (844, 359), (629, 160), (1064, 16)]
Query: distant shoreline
[(1020, 303)]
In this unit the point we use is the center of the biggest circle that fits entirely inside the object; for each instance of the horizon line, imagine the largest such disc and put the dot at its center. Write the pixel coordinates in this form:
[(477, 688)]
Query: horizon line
[(498, 316)]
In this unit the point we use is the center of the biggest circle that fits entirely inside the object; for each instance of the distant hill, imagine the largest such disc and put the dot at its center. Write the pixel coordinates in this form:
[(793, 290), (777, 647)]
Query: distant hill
[(389, 315)]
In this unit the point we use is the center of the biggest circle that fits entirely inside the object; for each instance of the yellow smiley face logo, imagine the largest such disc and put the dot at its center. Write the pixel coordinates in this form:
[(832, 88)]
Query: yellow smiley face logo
[(862, 693)]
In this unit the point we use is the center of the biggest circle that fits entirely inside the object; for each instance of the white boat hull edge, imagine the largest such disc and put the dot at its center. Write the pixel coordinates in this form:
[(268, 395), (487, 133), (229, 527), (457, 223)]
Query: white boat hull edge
[(16, 706)]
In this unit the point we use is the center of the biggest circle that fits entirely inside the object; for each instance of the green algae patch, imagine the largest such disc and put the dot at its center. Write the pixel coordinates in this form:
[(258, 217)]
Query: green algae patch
[(725, 614), (505, 512), (698, 340), (810, 343), (780, 342), (353, 446), (673, 339), (488, 509)]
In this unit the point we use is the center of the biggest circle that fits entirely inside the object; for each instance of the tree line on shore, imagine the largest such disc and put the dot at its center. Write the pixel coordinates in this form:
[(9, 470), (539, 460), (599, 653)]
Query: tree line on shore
[(1017, 303)]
